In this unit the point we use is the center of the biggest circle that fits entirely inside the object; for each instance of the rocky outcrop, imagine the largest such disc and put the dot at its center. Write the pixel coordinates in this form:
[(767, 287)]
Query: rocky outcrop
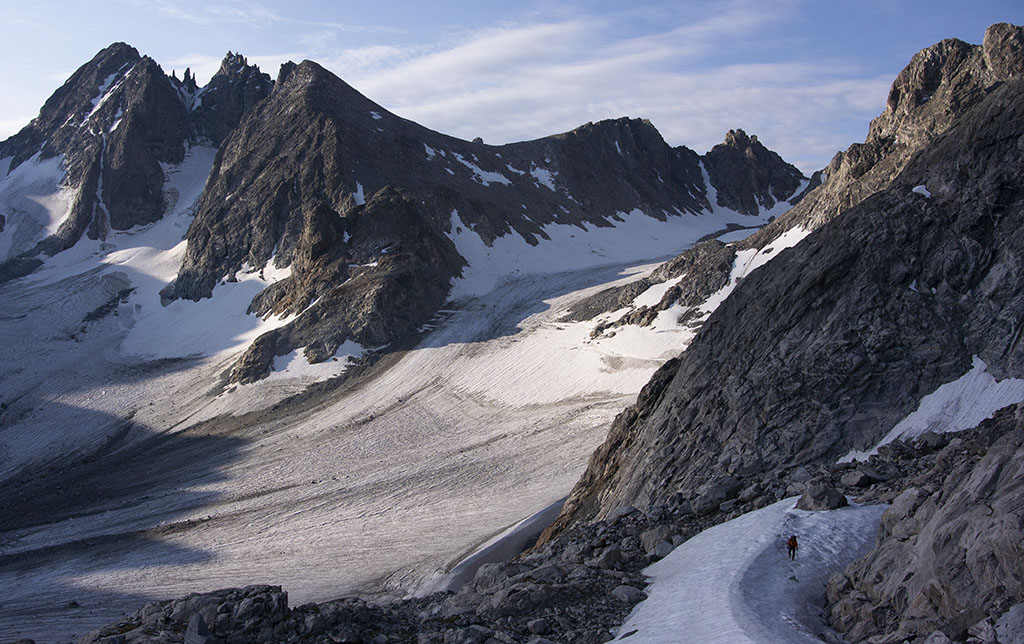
[(827, 346), (948, 554), (749, 177), (390, 275), (220, 105)]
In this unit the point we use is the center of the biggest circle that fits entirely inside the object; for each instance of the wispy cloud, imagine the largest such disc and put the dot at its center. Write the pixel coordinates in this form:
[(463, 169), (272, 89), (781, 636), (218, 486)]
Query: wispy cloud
[(553, 71), (247, 13), (527, 80)]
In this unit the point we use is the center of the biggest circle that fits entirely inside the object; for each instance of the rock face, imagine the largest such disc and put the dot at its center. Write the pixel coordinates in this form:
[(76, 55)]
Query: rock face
[(826, 347), (948, 553), (112, 124), (749, 176)]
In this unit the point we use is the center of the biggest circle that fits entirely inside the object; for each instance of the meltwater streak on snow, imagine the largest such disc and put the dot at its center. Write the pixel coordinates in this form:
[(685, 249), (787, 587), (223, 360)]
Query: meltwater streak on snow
[(734, 583), (954, 406)]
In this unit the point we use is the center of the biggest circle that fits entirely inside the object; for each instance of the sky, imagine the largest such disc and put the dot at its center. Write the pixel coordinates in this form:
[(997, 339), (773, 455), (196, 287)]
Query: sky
[(805, 76)]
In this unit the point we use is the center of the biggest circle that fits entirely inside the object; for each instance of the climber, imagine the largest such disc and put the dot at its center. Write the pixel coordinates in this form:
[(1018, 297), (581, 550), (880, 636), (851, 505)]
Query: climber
[(792, 546)]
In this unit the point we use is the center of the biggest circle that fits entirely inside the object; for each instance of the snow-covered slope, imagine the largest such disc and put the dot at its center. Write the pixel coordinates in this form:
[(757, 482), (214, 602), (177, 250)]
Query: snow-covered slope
[(735, 584)]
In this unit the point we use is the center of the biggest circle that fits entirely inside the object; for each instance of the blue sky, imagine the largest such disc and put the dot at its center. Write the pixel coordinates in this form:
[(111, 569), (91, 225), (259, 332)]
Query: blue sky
[(806, 76)]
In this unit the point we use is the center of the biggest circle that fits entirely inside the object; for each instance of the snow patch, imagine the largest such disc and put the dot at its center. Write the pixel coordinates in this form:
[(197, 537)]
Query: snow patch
[(653, 295), (483, 176), (734, 583), (376, 115), (544, 177), (514, 170), (954, 406), (358, 196), (294, 365), (117, 120), (431, 152), (712, 192), (922, 190), (747, 261)]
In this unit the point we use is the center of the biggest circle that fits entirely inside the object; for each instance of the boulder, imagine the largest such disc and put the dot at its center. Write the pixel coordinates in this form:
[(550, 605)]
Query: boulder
[(651, 538), (821, 497), (538, 626), (628, 594), (197, 632)]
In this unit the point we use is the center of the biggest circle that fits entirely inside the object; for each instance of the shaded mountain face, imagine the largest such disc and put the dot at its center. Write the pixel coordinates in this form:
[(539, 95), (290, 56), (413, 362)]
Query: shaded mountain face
[(102, 137), (748, 176), (912, 269), (311, 161)]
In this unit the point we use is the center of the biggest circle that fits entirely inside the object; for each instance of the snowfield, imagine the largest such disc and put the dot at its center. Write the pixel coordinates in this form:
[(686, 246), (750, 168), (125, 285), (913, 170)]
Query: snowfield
[(378, 485), (735, 584)]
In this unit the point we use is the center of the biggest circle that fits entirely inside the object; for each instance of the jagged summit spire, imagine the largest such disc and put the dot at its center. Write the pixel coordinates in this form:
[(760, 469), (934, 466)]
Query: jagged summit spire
[(234, 63)]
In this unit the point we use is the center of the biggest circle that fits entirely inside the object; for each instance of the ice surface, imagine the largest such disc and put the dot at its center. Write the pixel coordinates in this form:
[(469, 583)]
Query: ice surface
[(734, 583), (954, 406), (736, 235)]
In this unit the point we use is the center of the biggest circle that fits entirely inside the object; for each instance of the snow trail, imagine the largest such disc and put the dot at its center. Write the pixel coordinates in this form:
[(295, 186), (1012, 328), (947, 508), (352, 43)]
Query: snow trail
[(734, 584)]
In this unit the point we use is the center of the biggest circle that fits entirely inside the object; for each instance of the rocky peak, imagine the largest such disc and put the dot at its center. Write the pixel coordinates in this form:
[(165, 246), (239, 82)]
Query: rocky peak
[(749, 176), (233, 63), (187, 83), (72, 103), (233, 91), (1003, 49), (738, 139)]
